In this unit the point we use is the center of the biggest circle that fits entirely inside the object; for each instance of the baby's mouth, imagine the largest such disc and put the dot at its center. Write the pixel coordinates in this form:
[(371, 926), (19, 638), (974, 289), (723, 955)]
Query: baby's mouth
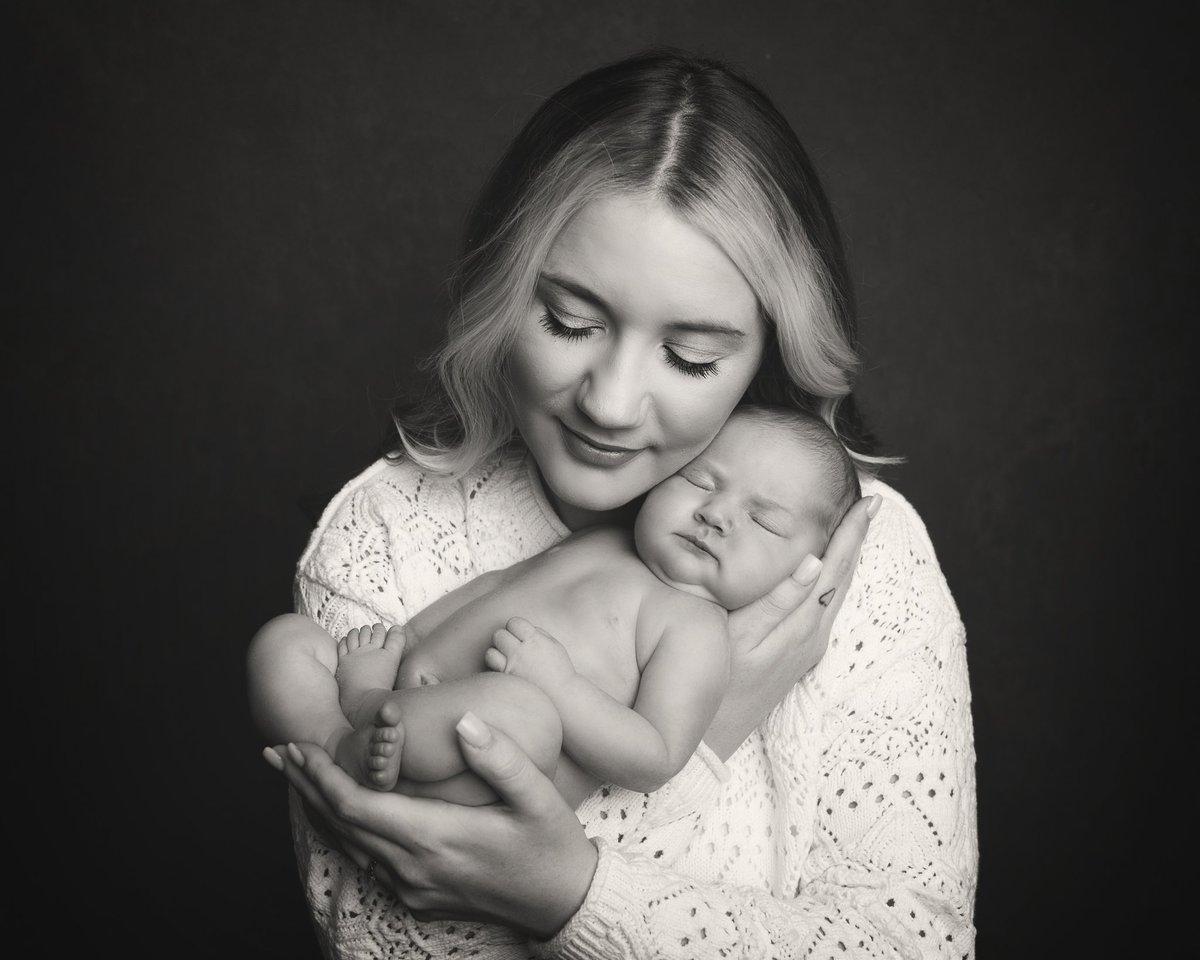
[(697, 544)]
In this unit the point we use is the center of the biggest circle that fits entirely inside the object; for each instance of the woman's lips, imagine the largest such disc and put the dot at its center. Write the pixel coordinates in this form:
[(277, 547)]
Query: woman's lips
[(697, 545), (595, 453)]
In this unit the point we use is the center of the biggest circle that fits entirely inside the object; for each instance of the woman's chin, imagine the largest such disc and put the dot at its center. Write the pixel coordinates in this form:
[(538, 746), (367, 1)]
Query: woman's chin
[(584, 492)]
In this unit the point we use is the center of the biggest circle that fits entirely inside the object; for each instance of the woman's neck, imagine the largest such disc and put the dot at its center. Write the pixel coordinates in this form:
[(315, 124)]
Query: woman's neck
[(576, 518)]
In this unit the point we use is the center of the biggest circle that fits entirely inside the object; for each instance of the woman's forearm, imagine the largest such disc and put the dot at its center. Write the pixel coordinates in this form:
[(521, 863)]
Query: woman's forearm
[(636, 910)]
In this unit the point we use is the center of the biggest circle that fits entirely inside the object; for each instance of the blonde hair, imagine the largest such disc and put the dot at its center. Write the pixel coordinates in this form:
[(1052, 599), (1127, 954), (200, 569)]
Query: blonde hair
[(698, 137)]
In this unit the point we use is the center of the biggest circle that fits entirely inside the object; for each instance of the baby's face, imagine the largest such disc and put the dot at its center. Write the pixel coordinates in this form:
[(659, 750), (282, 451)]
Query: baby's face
[(733, 523)]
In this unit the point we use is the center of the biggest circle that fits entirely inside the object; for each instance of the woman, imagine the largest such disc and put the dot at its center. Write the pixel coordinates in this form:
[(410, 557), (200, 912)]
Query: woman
[(653, 249)]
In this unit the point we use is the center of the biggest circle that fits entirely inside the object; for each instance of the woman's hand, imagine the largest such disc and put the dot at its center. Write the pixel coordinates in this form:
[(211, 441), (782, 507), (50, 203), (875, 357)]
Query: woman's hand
[(524, 862), (780, 637)]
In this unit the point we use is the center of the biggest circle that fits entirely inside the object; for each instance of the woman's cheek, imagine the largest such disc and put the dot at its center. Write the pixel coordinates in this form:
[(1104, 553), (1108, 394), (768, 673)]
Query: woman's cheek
[(694, 425), (538, 370)]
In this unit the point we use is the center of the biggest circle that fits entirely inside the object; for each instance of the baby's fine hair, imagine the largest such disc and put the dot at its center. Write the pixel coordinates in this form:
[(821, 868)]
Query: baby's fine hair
[(839, 479)]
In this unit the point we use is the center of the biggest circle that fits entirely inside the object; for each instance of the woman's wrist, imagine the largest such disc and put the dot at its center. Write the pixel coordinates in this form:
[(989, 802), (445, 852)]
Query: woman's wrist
[(575, 883), (570, 890)]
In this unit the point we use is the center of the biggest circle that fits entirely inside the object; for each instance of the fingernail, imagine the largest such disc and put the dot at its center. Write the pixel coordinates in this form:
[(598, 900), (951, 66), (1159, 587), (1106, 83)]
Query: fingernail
[(273, 758), (295, 754), (873, 506), (473, 730), (808, 570)]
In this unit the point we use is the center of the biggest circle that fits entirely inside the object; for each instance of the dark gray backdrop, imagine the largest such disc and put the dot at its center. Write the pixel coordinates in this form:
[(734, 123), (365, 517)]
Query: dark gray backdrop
[(232, 224)]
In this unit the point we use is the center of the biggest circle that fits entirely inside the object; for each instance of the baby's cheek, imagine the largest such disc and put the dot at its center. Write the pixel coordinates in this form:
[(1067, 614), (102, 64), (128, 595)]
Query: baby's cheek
[(757, 573)]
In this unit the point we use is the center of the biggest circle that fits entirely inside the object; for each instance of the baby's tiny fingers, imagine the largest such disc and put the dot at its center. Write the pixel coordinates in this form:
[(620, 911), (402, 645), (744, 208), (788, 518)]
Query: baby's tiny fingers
[(493, 659), (505, 641), (522, 629)]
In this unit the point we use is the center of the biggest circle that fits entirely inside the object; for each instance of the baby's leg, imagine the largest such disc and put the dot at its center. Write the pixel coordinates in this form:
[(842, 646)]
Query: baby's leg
[(367, 660), (430, 764), (293, 693), (369, 747)]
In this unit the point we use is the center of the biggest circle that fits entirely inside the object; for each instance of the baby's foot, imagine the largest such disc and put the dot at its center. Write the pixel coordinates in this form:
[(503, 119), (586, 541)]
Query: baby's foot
[(371, 753), (367, 660)]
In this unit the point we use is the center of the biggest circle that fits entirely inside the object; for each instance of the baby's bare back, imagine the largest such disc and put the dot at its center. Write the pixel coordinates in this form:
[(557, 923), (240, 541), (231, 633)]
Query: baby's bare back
[(585, 592)]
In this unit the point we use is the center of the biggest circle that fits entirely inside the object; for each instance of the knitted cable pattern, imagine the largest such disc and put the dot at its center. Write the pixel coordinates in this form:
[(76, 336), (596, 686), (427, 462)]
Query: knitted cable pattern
[(843, 826)]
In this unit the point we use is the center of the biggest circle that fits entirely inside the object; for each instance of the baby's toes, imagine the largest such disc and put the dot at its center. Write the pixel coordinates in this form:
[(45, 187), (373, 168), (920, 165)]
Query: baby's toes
[(343, 646), (382, 748), (387, 718), (394, 639), (378, 632)]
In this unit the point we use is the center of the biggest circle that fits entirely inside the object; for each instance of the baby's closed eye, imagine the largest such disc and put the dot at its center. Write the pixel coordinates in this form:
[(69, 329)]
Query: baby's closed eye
[(697, 479)]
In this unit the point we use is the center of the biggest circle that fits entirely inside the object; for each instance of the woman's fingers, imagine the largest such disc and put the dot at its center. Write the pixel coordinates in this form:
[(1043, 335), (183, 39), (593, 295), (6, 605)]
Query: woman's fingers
[(506, 768), (762, 614), (370, 825), (273, 757), (841, 555), (794, 609)]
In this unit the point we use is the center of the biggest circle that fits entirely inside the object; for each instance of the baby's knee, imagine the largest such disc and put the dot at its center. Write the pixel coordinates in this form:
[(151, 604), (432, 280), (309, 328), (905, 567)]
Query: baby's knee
[(290, 635)]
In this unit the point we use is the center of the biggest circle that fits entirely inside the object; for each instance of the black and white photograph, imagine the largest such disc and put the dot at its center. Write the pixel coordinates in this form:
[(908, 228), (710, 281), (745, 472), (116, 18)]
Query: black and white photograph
[(615, 481)]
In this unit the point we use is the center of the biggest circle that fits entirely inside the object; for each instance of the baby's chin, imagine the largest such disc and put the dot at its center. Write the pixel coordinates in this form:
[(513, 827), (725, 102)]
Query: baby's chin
[(697, 590), (684, 586)]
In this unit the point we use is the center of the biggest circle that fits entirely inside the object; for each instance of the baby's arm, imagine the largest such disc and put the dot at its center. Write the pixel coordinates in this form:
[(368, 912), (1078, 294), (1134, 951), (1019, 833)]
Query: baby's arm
[(434, 615), (642, 747)]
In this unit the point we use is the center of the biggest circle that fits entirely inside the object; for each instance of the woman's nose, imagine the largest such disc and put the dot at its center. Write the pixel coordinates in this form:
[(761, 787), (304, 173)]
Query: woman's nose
[(613, 393)]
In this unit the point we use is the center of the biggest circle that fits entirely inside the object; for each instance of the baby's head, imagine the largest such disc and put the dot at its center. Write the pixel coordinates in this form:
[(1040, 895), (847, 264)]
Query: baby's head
[(770, 489)]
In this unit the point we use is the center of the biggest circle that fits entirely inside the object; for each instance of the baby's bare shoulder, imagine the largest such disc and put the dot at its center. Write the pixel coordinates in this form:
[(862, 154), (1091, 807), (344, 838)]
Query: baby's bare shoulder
[(666, 609)]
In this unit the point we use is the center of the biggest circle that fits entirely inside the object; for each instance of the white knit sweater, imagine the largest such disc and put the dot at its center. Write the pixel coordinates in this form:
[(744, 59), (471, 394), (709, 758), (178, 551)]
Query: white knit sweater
[(843, 827)]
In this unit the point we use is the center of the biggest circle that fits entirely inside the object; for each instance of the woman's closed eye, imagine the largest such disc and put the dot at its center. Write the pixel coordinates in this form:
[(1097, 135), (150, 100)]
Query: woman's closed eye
[(693, 368), (567, 326)]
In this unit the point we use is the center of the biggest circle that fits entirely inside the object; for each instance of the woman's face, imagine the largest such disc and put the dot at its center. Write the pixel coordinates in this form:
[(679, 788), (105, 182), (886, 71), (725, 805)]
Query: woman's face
[(642, 338)]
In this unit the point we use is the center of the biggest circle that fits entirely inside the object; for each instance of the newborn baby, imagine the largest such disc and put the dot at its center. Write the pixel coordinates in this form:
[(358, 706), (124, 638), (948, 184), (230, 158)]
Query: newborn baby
[(619, 657)]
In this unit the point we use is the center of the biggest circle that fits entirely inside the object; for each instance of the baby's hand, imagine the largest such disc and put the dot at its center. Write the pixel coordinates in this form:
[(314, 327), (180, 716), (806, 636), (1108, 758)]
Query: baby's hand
[(530, 652)]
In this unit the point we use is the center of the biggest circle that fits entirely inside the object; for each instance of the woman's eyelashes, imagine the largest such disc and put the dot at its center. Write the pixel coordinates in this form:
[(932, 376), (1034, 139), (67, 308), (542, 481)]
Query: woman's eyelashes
[(692, 369), (551, 321), (580, 329)]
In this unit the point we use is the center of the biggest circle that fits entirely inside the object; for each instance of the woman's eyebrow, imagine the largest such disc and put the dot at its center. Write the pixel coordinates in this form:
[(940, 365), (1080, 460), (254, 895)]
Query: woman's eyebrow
[(697, 325), (719, 327), (575, 288)]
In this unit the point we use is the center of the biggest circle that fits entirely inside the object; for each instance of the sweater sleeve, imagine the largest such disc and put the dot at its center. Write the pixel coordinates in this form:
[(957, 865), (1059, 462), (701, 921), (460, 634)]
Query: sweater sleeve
[(386, 546), (874, 757)]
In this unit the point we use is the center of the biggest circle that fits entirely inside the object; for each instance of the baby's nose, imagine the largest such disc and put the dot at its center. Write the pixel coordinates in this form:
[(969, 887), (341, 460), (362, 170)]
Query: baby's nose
[(712, 518)]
